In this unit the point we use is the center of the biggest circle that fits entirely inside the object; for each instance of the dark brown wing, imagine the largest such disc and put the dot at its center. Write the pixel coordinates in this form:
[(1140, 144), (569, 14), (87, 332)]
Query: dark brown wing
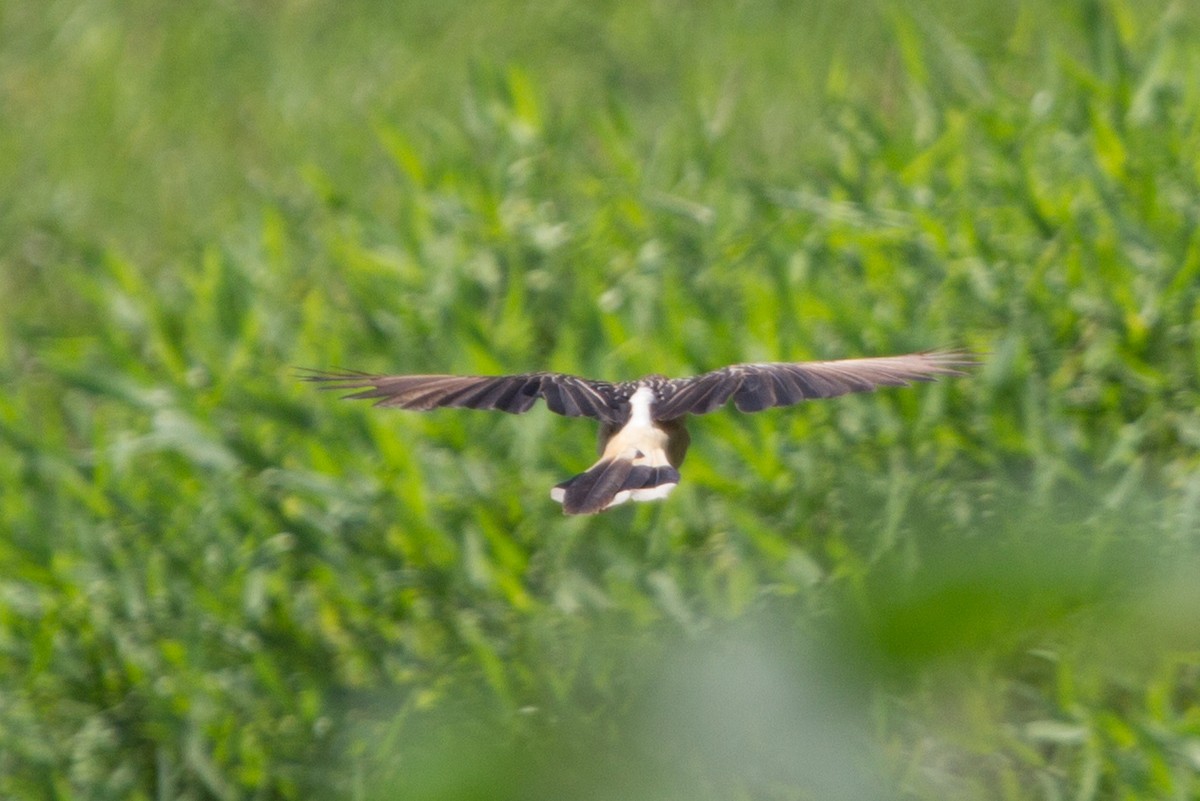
[(755, 387), (567, 395)]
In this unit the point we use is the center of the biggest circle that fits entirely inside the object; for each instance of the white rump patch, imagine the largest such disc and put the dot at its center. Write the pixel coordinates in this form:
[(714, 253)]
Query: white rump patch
[(558, 494), (639, 408)]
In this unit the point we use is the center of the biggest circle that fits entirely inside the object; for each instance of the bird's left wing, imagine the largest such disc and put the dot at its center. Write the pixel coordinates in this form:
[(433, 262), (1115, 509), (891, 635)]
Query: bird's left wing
[(755, 387), (567, 395)]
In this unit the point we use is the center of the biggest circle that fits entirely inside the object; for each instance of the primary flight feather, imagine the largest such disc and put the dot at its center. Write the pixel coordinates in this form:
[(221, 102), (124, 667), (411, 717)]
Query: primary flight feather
[(642, 435)]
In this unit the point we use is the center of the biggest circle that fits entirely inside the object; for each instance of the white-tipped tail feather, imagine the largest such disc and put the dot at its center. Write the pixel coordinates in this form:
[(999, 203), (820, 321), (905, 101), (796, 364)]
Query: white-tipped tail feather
[(657, 493), (633, 467), (610, 482)]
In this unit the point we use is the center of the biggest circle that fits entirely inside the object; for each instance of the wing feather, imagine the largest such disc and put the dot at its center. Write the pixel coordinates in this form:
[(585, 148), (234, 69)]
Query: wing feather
[(755, 387), (559, 400), (575, 398), (701, 395), (564, 394)]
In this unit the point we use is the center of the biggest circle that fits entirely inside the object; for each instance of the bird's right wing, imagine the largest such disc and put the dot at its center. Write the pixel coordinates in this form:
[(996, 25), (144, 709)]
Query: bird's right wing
[(754, 387), (567, 395)]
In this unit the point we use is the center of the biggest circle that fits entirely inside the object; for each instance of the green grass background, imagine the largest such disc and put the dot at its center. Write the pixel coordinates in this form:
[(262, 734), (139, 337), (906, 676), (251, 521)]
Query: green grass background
[(217, 583)]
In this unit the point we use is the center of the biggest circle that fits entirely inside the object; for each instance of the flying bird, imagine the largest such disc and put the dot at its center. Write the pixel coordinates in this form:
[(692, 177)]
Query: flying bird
[(643, 438)]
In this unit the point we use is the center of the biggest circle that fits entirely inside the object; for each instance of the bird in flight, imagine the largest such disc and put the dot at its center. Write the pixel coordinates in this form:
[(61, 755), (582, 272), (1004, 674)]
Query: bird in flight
[(642, 435)]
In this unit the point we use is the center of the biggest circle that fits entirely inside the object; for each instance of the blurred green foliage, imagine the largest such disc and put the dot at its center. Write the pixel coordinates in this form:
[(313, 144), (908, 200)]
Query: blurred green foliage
[(215, 583)]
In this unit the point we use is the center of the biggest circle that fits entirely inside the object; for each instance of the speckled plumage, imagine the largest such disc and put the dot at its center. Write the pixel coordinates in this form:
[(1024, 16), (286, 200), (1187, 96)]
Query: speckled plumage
[(643, 463)]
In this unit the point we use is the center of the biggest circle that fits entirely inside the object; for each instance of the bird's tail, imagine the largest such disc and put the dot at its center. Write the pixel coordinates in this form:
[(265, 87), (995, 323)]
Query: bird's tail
[(613, 481)]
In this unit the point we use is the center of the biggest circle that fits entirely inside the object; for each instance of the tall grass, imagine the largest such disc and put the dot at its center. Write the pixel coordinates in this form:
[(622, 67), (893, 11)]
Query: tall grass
[(215, 583)]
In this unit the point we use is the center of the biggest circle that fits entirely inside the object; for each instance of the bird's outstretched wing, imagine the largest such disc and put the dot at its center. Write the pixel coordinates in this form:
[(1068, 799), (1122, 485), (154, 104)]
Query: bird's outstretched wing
[(567, 395), (755, 387)]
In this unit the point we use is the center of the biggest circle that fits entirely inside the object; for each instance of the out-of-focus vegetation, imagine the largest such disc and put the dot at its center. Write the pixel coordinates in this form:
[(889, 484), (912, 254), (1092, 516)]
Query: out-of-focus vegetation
[(216, 583)]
